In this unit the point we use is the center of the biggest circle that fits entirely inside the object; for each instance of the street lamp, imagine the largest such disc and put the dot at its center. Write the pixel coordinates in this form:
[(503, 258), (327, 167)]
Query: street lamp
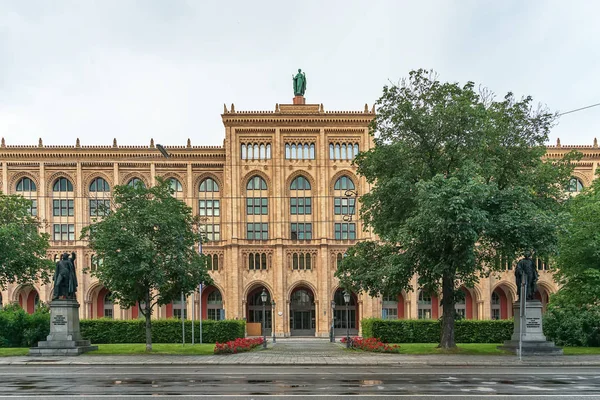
[(273, 320), (347, 301), (263, 297), (332, 334)]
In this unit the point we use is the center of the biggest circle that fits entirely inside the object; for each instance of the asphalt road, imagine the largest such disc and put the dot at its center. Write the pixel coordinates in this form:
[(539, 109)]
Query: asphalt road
[(314, 382)]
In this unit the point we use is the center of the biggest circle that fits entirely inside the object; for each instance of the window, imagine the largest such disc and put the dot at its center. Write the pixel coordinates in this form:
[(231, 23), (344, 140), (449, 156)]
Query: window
[(344, 183), (257, 261), (345, 231), (300, 205), (175, 185), (389, 309), (339, 259), (257, 206), (460, 306), (215, 306), (424, 305), (99, 185), (63, 208), (344, 206), (212, 262), (26, 185), (99, 208), (179, 309), (575, 185), (134, 182), (62, 185), (300, 151), (257, 231), (209, 207), (300, 183), (255, 151), (301, 231), (343, 151), (108, 305), (64, 232), (495, 305), (95, 262), (301, 261), (256, 183)]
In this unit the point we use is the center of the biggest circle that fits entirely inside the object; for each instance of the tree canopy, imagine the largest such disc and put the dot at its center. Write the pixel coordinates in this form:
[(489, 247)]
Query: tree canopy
[(148, 248), (458, 179), (578, 258), (23, 257)]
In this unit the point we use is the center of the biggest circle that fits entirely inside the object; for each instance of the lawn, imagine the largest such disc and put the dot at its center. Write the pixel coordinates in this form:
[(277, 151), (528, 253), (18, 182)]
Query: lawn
[(479, 349), (130, 348)]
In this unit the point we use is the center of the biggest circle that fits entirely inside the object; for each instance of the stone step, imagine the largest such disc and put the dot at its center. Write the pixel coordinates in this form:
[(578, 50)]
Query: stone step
[(63, 344), (74, 351)]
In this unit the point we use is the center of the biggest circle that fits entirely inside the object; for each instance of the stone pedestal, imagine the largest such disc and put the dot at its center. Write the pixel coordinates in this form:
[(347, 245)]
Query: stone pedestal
[(65, 337), (534, 341), (299, 100)]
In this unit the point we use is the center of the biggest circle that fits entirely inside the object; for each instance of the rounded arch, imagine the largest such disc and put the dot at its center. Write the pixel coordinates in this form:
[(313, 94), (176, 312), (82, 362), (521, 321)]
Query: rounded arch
[(547, 286), (212, 287), (88, 181), (582, 177), (89, 294), (14, 179), (129, 176), (510, 286), (256, 284), (301, 284), (295, 174), (198, 180), (255, 172), (52, 179), (168, 175), (341, 173), (25, 295)]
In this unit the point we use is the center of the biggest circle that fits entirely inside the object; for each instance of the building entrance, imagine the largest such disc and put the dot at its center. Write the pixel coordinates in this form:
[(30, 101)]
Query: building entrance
[(256, 311), (302, 313)]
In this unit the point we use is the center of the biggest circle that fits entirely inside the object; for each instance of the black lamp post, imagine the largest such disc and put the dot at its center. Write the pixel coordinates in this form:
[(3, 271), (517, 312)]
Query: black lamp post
[(347, 301), (332, 334), (263, 297), (273, 320)]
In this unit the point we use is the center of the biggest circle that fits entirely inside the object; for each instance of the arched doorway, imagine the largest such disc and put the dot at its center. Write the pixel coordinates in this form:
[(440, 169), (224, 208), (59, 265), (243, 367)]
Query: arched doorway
[(255, 310), (302, 312), (28, 298), (345, 316), (499, 304), (212, 304), (104, 304)]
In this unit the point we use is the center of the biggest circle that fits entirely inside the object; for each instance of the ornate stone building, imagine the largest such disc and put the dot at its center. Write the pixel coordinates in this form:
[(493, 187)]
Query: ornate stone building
[(278, 203)]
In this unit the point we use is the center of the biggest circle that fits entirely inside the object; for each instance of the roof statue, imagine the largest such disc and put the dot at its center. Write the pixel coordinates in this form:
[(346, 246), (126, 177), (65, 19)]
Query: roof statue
[(299, 83)]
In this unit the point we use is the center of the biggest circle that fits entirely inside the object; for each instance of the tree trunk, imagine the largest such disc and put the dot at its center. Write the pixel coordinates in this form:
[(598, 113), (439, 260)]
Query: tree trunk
[(447, 340), (148, 314)]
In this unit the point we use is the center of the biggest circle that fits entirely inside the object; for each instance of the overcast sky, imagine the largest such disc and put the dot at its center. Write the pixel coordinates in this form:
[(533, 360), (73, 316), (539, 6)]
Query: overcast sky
[(137, 70)]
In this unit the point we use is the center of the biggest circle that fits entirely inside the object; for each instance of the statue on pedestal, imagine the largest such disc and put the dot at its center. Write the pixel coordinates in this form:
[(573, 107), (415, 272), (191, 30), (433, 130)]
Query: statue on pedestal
[(526, 268), (65, 278), (299, 83)]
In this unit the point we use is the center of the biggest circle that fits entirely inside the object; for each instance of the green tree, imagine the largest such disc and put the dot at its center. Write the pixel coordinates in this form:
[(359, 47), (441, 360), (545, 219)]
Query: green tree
[(23, 257), (458, 179), (578, 258), (147, 245)]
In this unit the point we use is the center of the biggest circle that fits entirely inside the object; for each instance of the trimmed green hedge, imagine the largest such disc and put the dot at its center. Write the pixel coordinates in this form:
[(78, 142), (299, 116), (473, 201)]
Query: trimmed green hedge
[(163, 330), (429, 331)]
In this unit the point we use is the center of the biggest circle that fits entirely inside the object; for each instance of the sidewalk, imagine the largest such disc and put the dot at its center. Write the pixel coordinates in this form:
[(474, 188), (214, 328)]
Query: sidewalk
[(311, 352)]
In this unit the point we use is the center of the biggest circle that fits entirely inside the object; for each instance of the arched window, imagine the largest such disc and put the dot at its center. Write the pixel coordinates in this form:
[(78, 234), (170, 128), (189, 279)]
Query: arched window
[(339, 259), (355, 149), (575, 185), (294, 153), (344, 156), (215, 306), (344, 208), (62, 185), (257, 209), (495, 305), (108, 305), (350, 152), (331, 152), (337, 152), (256, 152), (460, 305), (243, 152), (27, 188), (295, 261), (263, 152), (389, 307), (300, 209), (306, 154), (424, 305), (63, 210), (26, 185), (99, 185), (288, 151), (300, 183), (209, 207), (175, 185), (312, 151), (257, 261), (344, 183), (134, 182), (212, 262), (268, 151)]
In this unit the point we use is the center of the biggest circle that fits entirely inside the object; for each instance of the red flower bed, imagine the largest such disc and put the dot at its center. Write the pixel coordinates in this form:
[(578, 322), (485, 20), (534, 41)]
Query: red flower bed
[(238, 345), (371, 344)]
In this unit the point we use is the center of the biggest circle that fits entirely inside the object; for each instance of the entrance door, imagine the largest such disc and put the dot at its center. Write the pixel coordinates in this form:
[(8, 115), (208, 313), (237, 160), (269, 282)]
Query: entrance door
[(302, 313), (256, 310)]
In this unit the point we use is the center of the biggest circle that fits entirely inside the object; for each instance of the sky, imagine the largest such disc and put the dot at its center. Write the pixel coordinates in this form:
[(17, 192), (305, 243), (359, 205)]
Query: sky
[(135, 70)]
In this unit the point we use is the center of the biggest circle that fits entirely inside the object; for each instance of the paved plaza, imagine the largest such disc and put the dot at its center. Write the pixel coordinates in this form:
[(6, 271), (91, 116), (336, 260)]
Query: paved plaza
[(309, 351)]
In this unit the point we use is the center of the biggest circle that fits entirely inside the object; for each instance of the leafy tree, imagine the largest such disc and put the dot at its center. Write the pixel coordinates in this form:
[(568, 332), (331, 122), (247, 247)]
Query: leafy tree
[(148, 248), (458, 179), (578, 259), (23, 248)]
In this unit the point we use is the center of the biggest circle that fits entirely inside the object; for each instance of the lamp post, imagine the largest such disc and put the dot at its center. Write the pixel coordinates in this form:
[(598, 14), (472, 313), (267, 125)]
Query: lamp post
[(332, 334), (263, 297), (347, 301), (273, 320)]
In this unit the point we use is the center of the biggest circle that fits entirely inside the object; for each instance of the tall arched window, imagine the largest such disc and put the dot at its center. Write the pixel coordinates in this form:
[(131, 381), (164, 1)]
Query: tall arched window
[(212, 262), (175, 185), (575, 185), (257, 209), (133, 182), (209, 208), (425, 305), (108, 305), (215, 306), (99, 202), (300, 209), (331, 152), (460, 305), (27, 188), (344, 208), (63, 210), (495, 305)]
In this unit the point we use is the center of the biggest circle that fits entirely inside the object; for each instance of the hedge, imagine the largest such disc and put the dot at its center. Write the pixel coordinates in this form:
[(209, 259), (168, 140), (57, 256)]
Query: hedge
[(163, 330), (429, 331), (19, 329)]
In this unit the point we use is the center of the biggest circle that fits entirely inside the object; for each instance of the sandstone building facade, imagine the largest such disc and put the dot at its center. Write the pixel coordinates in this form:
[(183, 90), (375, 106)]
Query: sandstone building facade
[(279, 206)]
